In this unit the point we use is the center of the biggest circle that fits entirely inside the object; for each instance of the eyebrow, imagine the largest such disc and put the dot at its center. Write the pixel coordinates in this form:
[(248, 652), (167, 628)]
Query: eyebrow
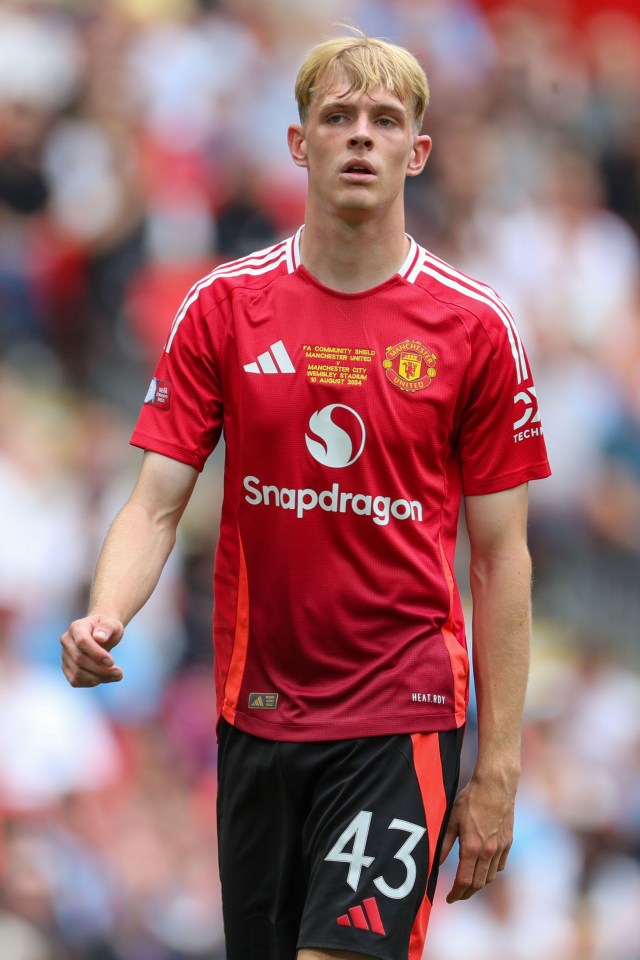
[(385, 106)]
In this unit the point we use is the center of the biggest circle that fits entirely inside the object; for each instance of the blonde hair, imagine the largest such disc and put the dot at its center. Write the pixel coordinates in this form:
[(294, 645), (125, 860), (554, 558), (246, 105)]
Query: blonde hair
[(367, 62)]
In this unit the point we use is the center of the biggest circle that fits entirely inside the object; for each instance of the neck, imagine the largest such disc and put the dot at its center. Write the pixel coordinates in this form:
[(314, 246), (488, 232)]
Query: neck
[(349, 256)]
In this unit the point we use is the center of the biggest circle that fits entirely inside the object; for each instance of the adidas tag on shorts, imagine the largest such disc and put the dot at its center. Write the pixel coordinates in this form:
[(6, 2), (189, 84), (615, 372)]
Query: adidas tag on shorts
[(334, 844)]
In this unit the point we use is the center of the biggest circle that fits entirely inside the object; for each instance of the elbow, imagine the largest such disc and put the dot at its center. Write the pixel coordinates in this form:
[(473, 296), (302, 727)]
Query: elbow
[(513, 561)]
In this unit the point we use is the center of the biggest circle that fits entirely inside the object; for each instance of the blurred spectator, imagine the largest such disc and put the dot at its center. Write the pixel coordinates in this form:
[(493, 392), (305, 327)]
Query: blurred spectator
[(51, 744), (142, 142)]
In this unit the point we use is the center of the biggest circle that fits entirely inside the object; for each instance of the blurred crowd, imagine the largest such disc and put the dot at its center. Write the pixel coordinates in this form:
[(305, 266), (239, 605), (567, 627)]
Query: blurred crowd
[(141, 143)]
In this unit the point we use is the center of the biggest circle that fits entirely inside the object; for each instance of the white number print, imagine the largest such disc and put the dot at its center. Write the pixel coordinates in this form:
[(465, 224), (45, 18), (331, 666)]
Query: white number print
[(415, 833), (358, 831)]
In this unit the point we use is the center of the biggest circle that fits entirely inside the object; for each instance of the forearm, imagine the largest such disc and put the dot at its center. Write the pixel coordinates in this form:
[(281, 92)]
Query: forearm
[(501, 591), (131, 561), (482, 816), (129, 566)]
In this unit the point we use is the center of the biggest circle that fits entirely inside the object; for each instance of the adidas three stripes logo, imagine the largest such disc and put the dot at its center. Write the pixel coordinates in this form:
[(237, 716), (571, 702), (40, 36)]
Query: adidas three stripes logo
[(356, 917), (274, 360)]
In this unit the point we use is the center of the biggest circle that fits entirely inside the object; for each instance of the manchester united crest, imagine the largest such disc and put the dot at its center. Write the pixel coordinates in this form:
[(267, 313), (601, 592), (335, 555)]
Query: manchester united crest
[(410, 365)]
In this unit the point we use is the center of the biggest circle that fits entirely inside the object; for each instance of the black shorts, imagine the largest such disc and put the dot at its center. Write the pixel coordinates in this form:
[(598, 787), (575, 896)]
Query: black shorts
[(333, 844)]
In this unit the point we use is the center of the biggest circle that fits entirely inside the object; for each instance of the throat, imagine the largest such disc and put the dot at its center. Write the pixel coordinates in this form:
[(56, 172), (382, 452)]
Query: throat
[(351, 262)]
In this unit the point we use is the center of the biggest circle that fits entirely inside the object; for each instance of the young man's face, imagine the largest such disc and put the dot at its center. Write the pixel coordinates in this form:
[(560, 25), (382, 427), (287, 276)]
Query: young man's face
[(358, 149)]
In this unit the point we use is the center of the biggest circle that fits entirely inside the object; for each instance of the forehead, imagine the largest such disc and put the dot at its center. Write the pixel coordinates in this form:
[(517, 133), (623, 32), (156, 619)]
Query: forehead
[(338, 89)]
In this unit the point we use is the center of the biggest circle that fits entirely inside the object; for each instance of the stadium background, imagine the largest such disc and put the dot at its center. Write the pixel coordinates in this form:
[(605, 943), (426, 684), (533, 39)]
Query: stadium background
[(141, 143)]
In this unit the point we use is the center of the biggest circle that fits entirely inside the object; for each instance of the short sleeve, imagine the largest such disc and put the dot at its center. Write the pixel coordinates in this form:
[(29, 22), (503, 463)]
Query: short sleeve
[(501, 441), (181, 416)]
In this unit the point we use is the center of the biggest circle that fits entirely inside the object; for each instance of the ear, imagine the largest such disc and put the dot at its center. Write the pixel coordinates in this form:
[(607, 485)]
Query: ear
[(419, 154), (297, 144)]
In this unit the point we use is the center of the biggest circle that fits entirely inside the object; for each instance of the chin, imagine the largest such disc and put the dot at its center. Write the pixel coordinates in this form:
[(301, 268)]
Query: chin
[(361, 202)]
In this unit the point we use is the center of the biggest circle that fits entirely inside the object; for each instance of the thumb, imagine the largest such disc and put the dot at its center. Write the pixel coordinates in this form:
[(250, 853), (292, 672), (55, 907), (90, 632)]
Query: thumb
[(105, 630), (101, 631)]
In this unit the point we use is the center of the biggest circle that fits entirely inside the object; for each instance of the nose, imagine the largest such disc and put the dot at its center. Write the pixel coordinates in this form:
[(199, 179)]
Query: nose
[(361, 134), (360, 140)]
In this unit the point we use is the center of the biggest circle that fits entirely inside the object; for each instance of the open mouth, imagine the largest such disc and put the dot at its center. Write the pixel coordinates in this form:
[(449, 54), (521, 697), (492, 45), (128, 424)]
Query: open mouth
[(357, 171)]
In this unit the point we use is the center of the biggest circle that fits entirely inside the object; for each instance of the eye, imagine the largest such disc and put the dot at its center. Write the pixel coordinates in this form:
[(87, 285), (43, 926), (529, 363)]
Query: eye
[(335, 118), (385, 122)]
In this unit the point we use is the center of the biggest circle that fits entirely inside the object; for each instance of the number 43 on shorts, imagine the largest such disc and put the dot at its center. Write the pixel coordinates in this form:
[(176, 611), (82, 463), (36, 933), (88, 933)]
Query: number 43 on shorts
[(358, 831)]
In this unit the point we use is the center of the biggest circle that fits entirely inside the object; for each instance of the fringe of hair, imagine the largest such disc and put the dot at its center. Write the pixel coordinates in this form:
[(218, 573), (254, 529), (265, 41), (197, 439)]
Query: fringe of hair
[(366, 63)]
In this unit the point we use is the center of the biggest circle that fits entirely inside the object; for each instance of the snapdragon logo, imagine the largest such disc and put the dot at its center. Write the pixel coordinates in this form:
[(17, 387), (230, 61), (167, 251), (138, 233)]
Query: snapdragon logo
[(334, 500), (339, 444), (336, 447)]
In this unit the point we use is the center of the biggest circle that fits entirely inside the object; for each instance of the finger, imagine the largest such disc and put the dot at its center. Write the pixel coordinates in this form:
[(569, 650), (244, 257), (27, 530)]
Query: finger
[(75, 658), (80, 634), (486, 868), (94, 637), (76, 644), (77, 663), (478, 866), (494, 867), (463, 878), (78, 677), (459, 889), (450, 838), (502, 862), (480, 876)]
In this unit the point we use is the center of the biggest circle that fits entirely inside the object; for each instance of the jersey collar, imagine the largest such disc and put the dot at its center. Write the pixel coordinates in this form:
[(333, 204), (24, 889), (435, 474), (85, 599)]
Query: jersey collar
[(409, 269)]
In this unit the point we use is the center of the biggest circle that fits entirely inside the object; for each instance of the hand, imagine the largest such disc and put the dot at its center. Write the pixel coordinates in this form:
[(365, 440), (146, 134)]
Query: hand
[(482, 821), (86, 660)]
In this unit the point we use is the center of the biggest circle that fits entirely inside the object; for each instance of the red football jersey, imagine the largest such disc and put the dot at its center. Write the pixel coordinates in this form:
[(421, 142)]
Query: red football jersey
[(353, 423)]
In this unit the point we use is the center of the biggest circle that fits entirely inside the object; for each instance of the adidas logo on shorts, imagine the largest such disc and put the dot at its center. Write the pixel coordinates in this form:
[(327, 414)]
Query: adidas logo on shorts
[(356, 917)]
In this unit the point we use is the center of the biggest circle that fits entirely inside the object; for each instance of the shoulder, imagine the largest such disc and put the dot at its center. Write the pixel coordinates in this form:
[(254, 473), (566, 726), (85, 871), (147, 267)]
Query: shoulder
[(446, 283), (255, 271), (483, 311)]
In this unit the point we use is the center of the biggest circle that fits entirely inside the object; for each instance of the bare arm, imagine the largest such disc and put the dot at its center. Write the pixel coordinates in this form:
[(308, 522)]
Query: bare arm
[(482, 817), (129, 566)]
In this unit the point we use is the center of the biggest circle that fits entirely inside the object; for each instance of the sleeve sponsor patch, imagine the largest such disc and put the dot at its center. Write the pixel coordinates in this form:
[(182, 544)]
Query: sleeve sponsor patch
[(159, 394)]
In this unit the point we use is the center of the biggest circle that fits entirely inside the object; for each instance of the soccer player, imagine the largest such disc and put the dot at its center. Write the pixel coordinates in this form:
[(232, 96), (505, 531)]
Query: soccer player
[(364, 386)]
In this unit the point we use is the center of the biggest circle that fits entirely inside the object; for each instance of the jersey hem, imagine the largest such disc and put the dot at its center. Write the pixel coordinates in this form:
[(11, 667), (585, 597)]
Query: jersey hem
[(508, 480), (351, 730)]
